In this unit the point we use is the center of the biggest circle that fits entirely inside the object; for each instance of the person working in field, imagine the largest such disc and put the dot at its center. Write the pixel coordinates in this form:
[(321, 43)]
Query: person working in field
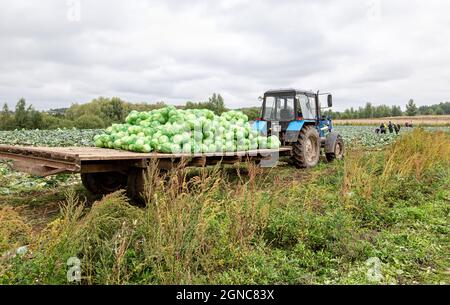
[(383, 128), (391, 127), (397, 128)]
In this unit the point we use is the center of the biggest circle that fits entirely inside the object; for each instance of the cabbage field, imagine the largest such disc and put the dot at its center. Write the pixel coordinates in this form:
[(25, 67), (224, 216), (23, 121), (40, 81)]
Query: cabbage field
[(365, 136), (50, 138)]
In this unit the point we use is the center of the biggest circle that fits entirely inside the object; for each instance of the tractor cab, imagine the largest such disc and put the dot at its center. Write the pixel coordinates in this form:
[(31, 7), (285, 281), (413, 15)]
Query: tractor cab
[(285, 110), (293, 115), (285, 106)]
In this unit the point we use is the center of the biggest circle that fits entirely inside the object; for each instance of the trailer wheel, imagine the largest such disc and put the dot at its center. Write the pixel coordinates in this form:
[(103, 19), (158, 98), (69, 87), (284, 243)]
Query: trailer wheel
[(338, 153), (135, 185), (104, 183), (306, 151)]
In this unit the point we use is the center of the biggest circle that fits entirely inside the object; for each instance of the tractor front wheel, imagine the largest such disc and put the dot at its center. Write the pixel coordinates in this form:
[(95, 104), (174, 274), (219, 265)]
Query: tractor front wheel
[(338, 152), (306, 151)]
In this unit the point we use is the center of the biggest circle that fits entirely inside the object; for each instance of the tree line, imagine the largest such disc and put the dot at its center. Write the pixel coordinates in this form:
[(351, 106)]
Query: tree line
[(380, 111), (102, 112), (371, 111), (99, 113)]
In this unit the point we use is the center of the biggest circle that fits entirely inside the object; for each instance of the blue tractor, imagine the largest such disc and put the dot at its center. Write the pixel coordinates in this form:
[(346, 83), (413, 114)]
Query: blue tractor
[(295, 117)]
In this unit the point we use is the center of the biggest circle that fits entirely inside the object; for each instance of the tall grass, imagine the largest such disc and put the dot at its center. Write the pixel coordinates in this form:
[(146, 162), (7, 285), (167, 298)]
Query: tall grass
[(412, 154), (416, 153), (200, 225), (373, 183), (14, 231)]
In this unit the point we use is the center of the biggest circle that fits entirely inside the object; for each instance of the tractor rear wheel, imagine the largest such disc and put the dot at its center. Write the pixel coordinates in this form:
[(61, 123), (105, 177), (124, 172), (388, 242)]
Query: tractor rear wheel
[(306, 151), (104, 183), (338, 153)]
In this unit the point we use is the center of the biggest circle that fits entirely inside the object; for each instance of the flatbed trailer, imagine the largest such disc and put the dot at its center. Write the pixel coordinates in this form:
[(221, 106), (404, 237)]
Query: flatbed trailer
[(107, 170)]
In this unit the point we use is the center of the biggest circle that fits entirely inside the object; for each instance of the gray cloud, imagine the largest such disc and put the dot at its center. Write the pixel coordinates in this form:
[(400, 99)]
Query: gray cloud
[(378, 51)]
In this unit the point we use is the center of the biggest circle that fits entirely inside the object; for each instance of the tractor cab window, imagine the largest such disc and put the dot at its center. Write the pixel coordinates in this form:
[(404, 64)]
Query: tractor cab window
[(312, 102), (279, 108), (307, 106)]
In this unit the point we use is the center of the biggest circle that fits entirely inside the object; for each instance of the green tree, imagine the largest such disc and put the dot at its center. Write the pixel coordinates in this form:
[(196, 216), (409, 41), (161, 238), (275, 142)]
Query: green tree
[(20, 115), (34, 119), (50, 121), (5, 111), (112, 110), (446, 107), (423, 110), (352, 113), (396, 111), (439, 111), (6, 118), (385, 111), (217, 104), (89, 121), (252, 112), (118, 111), (368, 111), (411, 108)]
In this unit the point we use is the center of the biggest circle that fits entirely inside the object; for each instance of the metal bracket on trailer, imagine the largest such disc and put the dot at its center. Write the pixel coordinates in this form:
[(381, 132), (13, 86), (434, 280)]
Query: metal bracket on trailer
[(39, 166)]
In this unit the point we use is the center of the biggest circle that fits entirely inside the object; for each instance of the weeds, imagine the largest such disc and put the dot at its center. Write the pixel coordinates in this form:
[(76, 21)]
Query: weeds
[(14, 231), (416, 153)]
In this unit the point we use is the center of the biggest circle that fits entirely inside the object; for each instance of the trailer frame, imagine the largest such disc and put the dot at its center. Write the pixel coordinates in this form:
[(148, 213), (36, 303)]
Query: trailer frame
[(125, 166)]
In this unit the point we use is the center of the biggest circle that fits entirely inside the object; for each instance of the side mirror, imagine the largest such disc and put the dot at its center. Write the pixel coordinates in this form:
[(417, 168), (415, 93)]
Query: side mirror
[(330, 100)]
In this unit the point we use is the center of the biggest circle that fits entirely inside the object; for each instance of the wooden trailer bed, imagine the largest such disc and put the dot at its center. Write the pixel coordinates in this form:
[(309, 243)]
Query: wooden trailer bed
[(45, 161)]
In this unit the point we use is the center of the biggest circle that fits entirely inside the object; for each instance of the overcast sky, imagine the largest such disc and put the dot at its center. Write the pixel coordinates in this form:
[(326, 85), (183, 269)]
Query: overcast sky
[(55, 53)]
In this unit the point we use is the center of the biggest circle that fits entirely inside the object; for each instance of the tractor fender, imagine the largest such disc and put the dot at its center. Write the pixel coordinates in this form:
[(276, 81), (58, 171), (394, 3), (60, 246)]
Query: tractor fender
[(293, 130), (330, 142)]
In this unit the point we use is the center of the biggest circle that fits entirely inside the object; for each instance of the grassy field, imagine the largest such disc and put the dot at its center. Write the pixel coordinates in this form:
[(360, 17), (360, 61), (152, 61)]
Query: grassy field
[(421, 120), (379, 216)]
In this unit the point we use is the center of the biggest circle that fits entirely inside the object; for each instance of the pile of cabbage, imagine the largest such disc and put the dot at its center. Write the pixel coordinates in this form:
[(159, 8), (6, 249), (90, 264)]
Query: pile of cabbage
[(172, 130)]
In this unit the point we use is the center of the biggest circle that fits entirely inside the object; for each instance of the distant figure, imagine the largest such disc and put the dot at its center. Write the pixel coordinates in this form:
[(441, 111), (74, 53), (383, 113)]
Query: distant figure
[(377, 130), (399, 126), (391, 127), (396, 128), (383, 128)]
